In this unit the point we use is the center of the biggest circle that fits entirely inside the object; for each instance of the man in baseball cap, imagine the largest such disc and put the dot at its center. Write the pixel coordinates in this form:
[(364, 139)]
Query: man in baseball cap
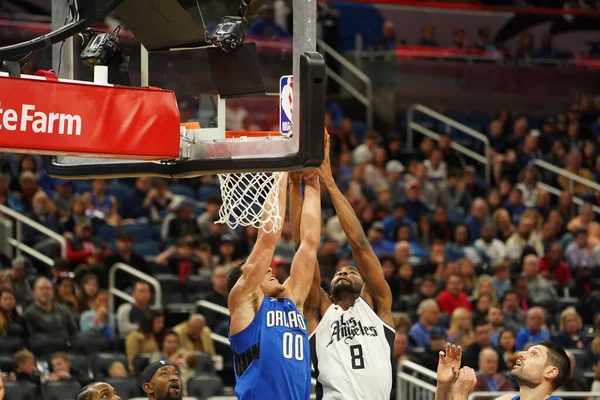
[(160, 381)]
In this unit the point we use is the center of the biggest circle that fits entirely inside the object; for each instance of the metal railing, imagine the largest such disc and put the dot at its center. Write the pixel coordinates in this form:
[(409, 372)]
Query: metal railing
[(114, 292), (564, 395), (365, 99), (17, 241), (413, 382), (557, 192), (414, 126), (569, 175)]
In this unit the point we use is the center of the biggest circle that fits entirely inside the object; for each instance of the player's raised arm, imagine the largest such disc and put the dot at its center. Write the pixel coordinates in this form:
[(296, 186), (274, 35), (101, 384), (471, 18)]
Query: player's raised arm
[(367, 262), (303, 264), (447, 371), (258, 262)]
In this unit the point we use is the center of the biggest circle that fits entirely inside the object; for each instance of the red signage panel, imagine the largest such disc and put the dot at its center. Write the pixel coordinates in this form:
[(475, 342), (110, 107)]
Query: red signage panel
[(79, 119)]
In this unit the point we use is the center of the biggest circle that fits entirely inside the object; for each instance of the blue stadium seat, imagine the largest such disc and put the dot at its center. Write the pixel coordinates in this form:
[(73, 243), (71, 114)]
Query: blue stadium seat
[(20, 390), (480, 118), (183, 190), (140, 232), (119, 190), (147, 249), (82, 186), (106, 232), (204, 192)]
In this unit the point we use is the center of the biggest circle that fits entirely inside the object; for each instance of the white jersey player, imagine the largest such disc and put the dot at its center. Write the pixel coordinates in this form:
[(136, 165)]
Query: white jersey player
[(352, 332)]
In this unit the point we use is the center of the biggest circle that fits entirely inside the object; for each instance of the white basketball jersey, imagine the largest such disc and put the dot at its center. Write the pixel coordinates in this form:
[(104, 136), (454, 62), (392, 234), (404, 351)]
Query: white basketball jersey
[(351, 353)]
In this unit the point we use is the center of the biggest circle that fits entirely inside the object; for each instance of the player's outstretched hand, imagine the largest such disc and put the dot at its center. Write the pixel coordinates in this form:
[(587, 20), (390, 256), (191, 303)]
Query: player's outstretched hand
[(449, 365), (324, 170), (465, 383)]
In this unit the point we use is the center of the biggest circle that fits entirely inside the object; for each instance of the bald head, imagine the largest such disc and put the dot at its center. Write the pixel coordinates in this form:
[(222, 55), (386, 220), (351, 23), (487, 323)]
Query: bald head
[(488, 362), (195, 326), (535, 319)]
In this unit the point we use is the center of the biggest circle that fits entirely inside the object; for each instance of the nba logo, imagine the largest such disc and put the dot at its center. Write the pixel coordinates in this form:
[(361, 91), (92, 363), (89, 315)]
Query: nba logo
[(286, 99)]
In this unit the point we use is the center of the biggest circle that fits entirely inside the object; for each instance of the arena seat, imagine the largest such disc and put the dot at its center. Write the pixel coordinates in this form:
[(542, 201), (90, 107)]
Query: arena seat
[(128, 388), (101, 361), (172, 288), (20, 390), (44, 344), (141, 361), (176, 313), (196, 286), (204, 386), (61, 390), (89, 344), (204, 363), (10, 344), (7, 363), (183, 190), (140, 232)]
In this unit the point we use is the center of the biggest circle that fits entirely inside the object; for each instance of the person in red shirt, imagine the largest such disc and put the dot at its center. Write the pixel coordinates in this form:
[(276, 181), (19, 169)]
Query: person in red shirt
[(552, 266), (453, 297)]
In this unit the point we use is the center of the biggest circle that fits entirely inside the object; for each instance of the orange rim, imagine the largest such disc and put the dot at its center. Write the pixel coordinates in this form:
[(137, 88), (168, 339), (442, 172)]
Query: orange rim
[(248, 134)]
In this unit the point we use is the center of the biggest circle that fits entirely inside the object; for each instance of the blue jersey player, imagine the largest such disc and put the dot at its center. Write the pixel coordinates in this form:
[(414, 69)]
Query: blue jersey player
[(267, 331), (542, 369)]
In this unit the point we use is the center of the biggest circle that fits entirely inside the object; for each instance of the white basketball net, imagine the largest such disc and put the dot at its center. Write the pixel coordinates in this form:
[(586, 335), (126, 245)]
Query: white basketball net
[(251, 199)]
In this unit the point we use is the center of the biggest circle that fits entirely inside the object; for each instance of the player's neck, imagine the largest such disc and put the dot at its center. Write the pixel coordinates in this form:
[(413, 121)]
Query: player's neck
[(345, 300), (539, 392)]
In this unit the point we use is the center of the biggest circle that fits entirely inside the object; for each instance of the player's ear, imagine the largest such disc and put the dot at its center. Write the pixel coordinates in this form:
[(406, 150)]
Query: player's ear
[(551, 372), (147, 388)]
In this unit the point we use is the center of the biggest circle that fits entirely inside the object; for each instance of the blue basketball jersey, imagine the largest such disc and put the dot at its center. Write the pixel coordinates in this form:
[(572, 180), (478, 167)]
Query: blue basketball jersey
[(549, 398), (272, 355)]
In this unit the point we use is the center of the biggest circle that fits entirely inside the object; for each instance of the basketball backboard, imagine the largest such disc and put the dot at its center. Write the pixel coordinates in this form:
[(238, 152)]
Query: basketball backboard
[(242, 100)]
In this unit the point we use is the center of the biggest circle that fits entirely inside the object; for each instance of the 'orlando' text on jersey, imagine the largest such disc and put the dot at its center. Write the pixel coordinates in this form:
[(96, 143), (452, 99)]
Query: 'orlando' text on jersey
[(272, 354)]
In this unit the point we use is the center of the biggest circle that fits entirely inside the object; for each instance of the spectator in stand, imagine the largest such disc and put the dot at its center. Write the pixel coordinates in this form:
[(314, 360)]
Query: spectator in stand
[(25, 370), (526, 48), (97, 320), (503, 226), (29, 187), (117, 370), (179, 260), (63, 198), (578, 251), (364, 153), (483, 339), (44, 316), (84, 247), (211, 214), (539, 289), (514, 205), (217, 295), (453, 297), (430, 357), (514, 315), (65, 293), (19, 271), (552, 266), (528, 187), (428, 193), (43, 212), (484, 41), (129, 315), (488, 378), (585, 219), (389, 39), (381, 246), (428, 38), (183, 224), (571, 335), (452, 157), (62, 370), (266, 24), (495, 317), (506, 344), (7, 198), (493, 248), (11, 323), (461, 249), (547, 50), (195, 336), (501, 279), (461, 328), (401, 346), (88, 288), (133, 207), (126, 255), (454, 195), (144, 339), (574, 167), (429, 313), (533, 331), (471, 185), (525, 236), (459, 39), (477, 218), (413, 205), (159, 200), (542, 203), (437, 170), (442, 228), (100, 204)]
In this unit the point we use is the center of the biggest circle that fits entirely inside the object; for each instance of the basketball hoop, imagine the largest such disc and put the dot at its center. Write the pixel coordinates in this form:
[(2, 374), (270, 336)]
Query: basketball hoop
[(251, 199)]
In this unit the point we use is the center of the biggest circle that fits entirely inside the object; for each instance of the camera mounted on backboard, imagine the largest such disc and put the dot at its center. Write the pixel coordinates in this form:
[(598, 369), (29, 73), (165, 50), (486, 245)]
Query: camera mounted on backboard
[(100, 47), (229, 34)]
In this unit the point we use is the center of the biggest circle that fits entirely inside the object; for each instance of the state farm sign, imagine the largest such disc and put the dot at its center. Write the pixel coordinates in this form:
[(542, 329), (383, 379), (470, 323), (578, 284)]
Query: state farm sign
[(27, 118), (82, 119)]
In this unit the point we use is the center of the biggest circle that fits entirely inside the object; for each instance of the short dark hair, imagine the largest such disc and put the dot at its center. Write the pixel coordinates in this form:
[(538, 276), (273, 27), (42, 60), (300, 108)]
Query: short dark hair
[(234, 275), (480, 322), (558, 358)]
